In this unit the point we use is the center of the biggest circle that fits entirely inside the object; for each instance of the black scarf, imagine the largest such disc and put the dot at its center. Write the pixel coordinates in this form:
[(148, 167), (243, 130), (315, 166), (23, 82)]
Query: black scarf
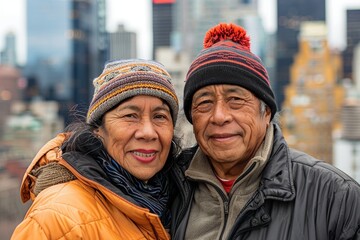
[(153, 195)]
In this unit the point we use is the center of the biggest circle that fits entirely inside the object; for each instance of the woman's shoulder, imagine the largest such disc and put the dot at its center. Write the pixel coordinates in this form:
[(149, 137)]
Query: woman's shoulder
[(69, 208), (66, 204), (70, 195)]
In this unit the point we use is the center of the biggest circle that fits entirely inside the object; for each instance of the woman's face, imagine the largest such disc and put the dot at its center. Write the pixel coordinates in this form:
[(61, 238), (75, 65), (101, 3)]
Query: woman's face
[(137, 134)]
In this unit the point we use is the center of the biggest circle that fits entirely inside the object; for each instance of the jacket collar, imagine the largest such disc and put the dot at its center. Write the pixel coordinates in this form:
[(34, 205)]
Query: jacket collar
[(85, 168), (91, 174), (277, 180)]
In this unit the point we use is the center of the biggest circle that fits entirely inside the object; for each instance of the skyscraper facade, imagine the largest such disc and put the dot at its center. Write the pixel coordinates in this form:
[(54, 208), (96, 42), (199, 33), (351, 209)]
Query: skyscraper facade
[(162, 17), (122, 44), (290, 15), (314, 97), (352, 39), (193, 18)]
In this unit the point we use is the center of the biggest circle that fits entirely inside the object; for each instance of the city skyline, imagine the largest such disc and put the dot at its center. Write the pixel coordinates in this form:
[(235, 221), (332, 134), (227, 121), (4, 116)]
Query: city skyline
[(138, 19), (12, 19)]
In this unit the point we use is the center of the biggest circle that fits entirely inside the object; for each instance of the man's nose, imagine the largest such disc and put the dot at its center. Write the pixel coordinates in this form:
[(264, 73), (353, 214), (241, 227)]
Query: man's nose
[(221, 113)]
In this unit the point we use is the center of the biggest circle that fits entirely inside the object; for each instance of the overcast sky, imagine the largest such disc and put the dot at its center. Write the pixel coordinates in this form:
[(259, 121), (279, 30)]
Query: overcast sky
[(136, 16)]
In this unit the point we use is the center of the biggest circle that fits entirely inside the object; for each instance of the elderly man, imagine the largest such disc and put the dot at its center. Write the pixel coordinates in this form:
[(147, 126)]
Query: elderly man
[(244, 182)]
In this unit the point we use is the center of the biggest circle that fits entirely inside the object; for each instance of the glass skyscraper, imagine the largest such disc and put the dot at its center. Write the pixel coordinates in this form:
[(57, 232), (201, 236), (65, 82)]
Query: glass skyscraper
[(352, 40)]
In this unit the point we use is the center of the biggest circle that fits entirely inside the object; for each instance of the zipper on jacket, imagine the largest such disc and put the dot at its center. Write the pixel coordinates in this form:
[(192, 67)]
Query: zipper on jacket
[(226, 208), (226, 211), (226, 201)]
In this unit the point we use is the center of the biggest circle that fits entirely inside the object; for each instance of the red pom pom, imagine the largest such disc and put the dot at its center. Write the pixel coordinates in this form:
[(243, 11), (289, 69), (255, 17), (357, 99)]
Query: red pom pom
[(225, 31)]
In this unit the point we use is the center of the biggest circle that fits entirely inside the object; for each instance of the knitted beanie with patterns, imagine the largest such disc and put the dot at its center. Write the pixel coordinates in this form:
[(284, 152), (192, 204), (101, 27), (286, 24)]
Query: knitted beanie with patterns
[(227, 59), (122, 79)]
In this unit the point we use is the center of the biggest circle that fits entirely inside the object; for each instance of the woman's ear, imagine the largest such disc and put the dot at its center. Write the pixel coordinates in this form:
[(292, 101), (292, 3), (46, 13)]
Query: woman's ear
[(97, 133)]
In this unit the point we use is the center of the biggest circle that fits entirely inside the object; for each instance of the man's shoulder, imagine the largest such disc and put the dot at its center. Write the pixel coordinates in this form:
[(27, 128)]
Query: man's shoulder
[(310, 167)]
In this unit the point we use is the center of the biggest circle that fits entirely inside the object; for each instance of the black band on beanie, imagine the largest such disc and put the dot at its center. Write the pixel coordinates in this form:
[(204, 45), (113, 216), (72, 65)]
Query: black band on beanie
[(227, 73)]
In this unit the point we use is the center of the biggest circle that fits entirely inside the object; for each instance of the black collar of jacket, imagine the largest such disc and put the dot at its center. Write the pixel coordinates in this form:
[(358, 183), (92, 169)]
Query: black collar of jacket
[(92, 174), (277, 180)]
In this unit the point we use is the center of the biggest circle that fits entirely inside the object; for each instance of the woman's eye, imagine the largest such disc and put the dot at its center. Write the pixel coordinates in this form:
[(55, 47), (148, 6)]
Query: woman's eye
[(161, 117), (130, 115)]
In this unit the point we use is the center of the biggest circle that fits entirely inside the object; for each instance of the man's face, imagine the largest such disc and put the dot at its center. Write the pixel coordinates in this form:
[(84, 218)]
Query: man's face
[(229, 126)]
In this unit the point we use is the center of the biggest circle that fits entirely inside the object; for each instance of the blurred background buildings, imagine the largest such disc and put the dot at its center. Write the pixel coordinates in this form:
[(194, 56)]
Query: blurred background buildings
[(317, 87)]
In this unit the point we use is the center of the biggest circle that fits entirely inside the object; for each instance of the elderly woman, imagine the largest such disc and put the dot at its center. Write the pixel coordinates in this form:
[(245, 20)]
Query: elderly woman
[(113, 169)]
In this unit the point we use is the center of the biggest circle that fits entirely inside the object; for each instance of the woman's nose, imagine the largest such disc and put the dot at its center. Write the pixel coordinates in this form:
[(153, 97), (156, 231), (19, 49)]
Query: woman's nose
[(146, 131)]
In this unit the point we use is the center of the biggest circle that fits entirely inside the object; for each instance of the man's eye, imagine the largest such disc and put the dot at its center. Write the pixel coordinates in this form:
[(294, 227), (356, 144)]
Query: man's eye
[(160, 116), (204, 102), (203, 106), (236, 101)]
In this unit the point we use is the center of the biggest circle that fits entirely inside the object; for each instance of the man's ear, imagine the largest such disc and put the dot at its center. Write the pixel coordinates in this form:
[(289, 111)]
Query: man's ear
[(268, 114)]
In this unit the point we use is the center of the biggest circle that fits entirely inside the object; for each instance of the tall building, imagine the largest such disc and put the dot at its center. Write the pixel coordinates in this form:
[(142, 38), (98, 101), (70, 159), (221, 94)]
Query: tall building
[(313, 98), (8, 54), (290, 15), (66, 43), (352, 39), (88, 39), (347, 144), (194, 17), (162, 18), (122, 44)]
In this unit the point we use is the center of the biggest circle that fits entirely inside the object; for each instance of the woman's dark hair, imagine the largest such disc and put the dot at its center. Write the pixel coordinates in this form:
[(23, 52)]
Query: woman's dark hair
[(82, 139)]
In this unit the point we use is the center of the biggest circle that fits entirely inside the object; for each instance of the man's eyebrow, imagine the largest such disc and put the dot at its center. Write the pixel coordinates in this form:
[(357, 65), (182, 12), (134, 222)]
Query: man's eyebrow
[(234, 90), (202, 94)]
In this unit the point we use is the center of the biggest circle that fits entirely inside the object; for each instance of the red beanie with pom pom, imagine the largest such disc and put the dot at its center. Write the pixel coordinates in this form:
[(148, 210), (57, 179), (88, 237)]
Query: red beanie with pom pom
[(227, 59)]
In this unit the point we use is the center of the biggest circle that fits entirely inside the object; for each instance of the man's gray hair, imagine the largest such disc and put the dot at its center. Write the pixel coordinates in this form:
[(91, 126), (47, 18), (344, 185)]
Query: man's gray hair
[(263, 106)]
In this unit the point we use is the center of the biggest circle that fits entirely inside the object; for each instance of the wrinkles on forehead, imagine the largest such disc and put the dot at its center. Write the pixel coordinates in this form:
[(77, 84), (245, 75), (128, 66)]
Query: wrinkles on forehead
[(224, 89)]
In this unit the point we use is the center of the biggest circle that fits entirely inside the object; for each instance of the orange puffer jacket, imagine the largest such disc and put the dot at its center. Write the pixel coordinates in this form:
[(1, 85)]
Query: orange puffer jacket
[(82, 208)]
